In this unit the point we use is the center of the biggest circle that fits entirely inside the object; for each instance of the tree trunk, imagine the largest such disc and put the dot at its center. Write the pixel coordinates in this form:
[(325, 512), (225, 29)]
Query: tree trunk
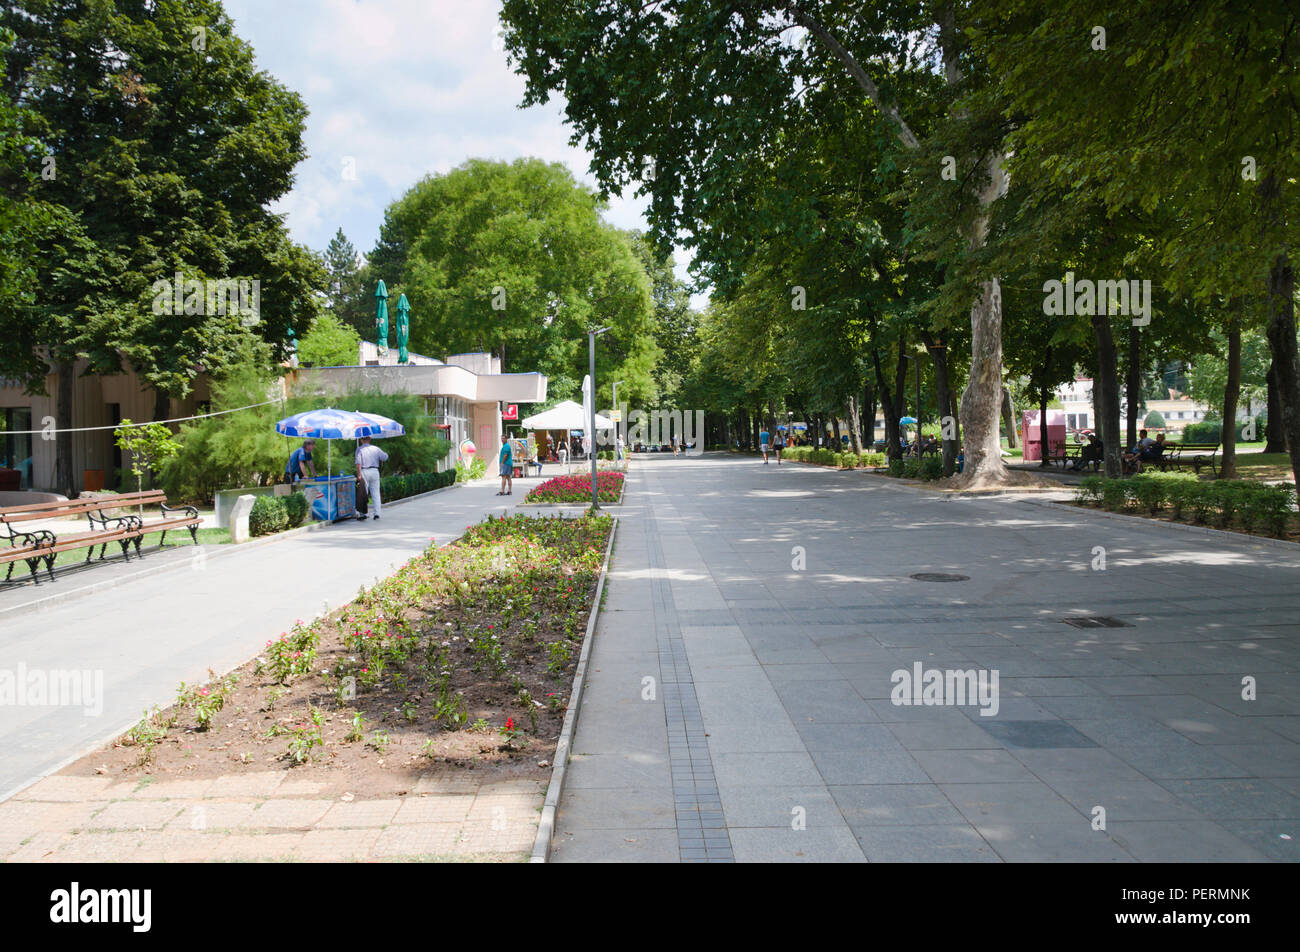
[(65, 369), (1044, 396), (1105, 394), (1231, 395), (1275, 440), (1009, 418), (855, 424), (1281, 339), (835, 431), (982, 399), (943, 395), (869, 416), (1133, 385)]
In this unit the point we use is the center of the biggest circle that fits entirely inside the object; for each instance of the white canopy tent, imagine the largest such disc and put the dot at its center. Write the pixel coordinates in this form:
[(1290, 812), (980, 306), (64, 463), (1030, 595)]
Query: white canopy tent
[(565, 416)]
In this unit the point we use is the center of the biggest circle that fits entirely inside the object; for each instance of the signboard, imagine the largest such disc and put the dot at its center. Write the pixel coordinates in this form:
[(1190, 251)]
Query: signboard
[(616, 416), (511, 412)]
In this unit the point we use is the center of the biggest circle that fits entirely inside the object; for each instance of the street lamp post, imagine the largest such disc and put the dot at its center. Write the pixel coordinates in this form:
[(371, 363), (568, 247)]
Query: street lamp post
[(591, 365)]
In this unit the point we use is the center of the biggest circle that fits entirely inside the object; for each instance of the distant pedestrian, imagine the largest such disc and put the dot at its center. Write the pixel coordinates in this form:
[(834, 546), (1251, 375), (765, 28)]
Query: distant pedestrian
[(507, 463), (778, 444), (764, 440), (369, 457)]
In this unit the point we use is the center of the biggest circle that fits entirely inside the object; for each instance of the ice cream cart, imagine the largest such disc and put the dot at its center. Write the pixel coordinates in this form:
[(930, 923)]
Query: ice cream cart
[(332, 499)]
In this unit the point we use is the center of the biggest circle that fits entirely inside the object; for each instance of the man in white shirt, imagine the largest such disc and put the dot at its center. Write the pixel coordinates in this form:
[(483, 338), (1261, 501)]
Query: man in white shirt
[(368, 459)]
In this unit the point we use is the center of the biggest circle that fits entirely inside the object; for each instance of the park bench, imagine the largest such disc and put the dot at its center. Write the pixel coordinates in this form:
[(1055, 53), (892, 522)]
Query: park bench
[(105, 526), (1194, 455)]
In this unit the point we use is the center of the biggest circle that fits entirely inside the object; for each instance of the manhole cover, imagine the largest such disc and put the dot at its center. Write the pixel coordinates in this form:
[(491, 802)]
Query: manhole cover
[(1096, 621), (939, 577)]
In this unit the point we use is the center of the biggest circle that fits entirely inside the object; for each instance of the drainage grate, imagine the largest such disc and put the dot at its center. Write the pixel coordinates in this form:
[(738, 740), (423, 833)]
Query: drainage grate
[(939, 577), (1096, 621)]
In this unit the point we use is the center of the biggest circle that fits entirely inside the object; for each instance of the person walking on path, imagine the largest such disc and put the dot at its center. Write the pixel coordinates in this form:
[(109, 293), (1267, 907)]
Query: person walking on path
[(300, 461), (778, 444), (764, 438), (369, 457), (507, 463)]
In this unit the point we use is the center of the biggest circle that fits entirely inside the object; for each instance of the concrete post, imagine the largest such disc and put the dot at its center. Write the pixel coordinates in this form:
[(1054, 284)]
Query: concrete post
[(239, 519)]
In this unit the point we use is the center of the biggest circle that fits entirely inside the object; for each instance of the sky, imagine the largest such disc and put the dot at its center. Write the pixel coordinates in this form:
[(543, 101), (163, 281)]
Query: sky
[(399, 89)]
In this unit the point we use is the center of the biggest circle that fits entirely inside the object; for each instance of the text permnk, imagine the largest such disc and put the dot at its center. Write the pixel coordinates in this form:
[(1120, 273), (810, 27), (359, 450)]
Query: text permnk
[(933, 687), (103, 905)]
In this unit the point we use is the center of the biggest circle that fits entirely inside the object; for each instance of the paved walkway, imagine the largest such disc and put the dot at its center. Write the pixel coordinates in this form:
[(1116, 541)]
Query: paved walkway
[(148, 634), (739, 707)]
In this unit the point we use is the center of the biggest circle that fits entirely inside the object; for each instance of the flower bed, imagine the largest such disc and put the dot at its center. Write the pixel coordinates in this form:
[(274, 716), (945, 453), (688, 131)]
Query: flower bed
[(577, 489), (1239, 505), (465, 657)]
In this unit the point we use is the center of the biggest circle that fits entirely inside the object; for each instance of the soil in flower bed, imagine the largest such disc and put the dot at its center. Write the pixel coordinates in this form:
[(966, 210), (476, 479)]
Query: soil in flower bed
[(577, 489), (463, 659)]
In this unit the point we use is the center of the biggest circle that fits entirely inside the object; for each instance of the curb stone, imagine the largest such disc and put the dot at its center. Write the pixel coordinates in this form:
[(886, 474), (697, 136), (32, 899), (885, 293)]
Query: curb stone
[(560, 764), (1240, 537)]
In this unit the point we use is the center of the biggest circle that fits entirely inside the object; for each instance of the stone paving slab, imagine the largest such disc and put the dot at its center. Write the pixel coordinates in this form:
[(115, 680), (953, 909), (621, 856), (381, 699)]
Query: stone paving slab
[(792, 674), (460, 818)]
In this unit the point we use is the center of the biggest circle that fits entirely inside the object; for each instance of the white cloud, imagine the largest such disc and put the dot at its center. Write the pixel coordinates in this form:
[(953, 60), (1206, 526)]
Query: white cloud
[(404, 89)]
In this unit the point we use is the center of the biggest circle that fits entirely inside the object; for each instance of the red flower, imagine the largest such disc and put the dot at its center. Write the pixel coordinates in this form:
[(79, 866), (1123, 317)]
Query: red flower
[(510, 723)]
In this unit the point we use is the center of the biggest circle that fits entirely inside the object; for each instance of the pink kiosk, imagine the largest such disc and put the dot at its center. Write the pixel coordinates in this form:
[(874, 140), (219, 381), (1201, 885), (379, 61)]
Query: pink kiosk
[(1030, 434)]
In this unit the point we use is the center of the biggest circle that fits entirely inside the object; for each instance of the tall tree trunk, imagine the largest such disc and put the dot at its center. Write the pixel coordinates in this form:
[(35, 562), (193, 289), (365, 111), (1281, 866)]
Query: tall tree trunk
[(1009, 418), (66, 371), (1105, 394), (1231, 396), (981, 401), (1044, 435), (1281, 339), (869, 416), (1275, 440), (855, 424), (943, 396), (1133, 385), (835, 431)]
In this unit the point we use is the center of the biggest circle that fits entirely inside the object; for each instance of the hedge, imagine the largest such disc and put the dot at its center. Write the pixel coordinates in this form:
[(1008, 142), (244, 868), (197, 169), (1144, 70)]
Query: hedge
[(1226, 504), (828, 457), (1212, 432), (927, 467), (277, 513)]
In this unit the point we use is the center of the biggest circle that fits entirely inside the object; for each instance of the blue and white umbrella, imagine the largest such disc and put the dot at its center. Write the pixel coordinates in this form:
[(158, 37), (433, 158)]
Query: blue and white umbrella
[(907, 420), (331, 424)]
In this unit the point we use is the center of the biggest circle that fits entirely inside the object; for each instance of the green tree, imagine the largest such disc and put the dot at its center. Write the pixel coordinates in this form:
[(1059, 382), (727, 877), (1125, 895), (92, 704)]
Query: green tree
[(513, 259), (329, 343), (168, 147), (345, 291)]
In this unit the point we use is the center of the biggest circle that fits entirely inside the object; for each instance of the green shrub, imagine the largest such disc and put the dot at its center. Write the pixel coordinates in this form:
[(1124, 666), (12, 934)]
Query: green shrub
[(1114, 494), (268, 515), (1180, 494), (1089, 491), (1207, 432), (413, 484), (897, 466), (871, 458), (474, 469), (1271, 508), (1202, 503), (295, 509)]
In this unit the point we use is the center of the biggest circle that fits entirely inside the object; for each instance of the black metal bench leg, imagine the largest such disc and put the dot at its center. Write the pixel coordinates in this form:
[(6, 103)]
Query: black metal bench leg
[(89, 553), (162, 539), (49, 566), (126, 548), (10, 573), (136, 540), (194, 534), (34, 565)]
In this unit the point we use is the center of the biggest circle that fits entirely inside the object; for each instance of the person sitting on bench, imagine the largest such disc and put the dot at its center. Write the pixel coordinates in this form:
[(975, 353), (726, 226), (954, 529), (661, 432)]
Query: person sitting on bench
[(1093, 453)]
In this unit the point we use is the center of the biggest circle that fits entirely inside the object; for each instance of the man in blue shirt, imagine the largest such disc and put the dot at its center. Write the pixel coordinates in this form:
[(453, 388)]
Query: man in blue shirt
[(507, 461), (300, 462), (763, 439)]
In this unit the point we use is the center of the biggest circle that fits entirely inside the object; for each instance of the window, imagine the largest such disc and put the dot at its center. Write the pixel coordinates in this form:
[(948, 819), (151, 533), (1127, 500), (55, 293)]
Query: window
[(16, 448)]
